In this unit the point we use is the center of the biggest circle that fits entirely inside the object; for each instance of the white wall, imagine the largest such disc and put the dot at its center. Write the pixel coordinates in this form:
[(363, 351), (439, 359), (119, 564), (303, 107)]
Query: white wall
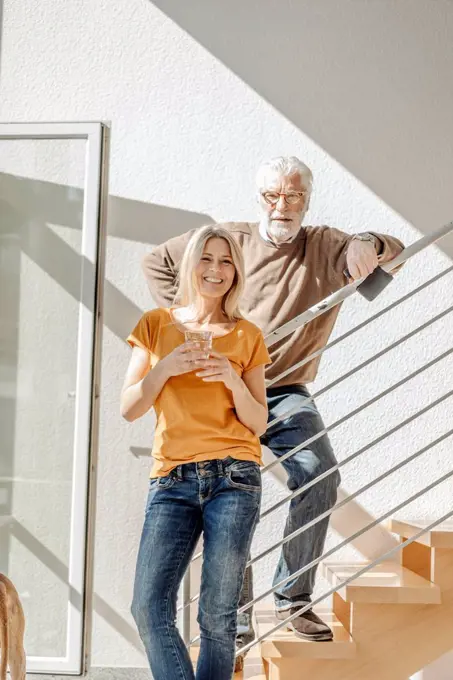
[(197, 95)]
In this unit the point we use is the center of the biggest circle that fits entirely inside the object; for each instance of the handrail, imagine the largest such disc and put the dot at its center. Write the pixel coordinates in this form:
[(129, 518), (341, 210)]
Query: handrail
[(334, 549), (359, 367), (349, 498), (356, 454), (330, 471), (338, 422), (360, 326), (353, 577), (369, 566), (353, 413), (341, 295)]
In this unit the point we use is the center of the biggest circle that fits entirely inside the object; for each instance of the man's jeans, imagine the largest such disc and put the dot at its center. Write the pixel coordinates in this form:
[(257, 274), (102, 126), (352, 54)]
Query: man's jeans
[(222, 500), (302, 467)]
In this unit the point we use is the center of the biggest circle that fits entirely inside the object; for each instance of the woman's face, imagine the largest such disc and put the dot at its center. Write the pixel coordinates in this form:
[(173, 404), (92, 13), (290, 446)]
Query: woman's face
[(215, 271)]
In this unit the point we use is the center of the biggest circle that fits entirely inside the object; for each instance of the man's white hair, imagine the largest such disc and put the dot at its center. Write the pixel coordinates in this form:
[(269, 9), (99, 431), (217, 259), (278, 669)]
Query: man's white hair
[(285, 165)]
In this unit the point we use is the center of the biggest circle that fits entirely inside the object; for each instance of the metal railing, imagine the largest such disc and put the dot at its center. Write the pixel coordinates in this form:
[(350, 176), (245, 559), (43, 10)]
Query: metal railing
[(344, 293), (353, 577), (297, 323)]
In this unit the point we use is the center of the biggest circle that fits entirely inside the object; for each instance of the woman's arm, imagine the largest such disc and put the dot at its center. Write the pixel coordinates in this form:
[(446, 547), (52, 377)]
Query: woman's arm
[(142, 385), (249, 395), (249, 392)]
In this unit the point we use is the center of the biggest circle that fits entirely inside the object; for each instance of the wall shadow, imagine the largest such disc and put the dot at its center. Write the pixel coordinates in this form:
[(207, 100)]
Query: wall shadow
[(61, 204), (39, 204), (57, 567), (369, 82)]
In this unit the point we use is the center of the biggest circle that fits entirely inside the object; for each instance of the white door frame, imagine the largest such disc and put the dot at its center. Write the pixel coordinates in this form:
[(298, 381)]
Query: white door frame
[(87, 385)]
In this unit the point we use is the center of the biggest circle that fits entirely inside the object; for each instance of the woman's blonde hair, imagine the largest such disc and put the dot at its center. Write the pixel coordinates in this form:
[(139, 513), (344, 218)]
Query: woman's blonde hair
[(188, 292)]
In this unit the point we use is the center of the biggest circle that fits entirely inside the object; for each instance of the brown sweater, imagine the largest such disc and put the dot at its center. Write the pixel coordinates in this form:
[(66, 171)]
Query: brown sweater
[(281, 282)]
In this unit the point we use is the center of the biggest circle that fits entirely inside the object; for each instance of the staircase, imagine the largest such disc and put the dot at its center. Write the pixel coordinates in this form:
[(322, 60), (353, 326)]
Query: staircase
[(388, 623)]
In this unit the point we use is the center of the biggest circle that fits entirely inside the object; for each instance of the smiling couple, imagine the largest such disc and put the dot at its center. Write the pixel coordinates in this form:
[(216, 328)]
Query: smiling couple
[(238, 281)]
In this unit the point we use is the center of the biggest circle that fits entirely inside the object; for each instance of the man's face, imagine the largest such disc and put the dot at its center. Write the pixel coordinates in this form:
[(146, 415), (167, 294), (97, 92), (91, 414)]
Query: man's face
[(283, 218)]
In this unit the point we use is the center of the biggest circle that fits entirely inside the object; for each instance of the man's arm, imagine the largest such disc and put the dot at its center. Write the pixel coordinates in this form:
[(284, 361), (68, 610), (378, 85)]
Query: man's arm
[(161, 268), (345, 252), (367, 251), (387, 247)]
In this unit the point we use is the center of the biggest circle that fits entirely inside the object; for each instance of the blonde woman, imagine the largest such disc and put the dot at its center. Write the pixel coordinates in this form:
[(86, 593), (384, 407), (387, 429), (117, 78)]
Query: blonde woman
[(211, 409)]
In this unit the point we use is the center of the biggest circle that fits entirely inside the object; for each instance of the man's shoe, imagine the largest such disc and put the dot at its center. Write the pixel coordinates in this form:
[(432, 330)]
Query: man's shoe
[(307, 626)]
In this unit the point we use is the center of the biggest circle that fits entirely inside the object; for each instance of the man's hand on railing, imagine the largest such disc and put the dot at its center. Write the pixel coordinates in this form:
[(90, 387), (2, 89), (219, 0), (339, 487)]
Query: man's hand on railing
[(361, 257)]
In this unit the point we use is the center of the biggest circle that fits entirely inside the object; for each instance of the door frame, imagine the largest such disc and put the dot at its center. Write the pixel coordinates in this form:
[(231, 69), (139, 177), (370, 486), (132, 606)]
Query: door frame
[(83, 496)]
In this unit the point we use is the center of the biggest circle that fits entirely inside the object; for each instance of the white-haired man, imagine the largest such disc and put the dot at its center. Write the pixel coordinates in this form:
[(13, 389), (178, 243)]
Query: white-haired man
[(289, 268)]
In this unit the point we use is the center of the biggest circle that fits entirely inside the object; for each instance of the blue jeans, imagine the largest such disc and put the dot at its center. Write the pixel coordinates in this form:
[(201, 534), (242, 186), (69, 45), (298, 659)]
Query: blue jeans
[(300, 468), (221, 499)]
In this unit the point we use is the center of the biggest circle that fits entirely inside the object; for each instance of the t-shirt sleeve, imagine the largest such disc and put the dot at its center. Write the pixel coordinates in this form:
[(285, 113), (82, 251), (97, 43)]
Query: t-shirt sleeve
[(142, 335), (259, 355)]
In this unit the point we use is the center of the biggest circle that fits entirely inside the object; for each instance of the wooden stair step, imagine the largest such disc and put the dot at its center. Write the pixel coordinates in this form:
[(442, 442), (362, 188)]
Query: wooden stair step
[(387, 583), (283, 643), (440, 537)]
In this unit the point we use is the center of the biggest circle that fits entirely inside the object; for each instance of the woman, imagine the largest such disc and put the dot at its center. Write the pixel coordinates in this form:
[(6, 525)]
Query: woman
[(211, 409)]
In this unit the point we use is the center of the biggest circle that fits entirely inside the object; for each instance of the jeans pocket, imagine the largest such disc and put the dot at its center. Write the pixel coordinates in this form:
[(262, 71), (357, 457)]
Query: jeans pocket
[(244, 475), (157, 484), (165, 482)]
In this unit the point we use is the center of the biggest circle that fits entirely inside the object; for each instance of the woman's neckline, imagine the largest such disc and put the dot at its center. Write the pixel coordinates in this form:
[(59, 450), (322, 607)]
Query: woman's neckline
[(181, 329)]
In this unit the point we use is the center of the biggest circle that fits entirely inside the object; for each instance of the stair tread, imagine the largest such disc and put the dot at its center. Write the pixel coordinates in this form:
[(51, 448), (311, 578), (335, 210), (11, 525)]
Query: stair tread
[(283, 643), (439, 537), (388, 582)]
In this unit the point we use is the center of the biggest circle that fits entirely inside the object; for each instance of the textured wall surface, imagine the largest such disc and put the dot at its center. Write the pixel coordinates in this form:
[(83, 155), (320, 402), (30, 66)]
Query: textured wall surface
[(197, 95)]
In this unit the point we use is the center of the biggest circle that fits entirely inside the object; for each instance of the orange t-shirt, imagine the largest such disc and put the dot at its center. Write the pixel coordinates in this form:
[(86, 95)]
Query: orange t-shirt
[(196, 421)]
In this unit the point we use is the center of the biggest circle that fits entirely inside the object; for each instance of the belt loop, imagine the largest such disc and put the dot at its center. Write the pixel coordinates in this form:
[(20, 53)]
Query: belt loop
[(179, 472), (220, 466)]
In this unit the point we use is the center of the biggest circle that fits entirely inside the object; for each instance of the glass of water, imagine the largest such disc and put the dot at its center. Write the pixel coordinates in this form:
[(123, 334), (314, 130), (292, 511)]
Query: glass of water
[(202, 338)]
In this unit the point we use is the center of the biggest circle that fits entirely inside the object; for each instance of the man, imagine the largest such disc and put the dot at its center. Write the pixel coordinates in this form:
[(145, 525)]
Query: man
[(289, 268)]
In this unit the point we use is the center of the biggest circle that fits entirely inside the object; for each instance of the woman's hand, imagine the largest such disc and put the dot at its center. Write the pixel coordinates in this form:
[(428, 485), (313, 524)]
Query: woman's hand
[(143, 385), (217, 368), (184, 359)]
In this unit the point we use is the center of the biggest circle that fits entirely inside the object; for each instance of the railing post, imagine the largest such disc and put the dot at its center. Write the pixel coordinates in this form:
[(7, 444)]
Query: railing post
[(184, 614)]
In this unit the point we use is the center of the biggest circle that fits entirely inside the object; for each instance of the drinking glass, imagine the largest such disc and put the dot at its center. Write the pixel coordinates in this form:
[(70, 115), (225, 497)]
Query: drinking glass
[(202, 338)]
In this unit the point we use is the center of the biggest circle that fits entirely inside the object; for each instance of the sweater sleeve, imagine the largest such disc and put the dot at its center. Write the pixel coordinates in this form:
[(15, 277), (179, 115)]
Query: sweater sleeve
[(334, 243), (161, 268), (390, 247)]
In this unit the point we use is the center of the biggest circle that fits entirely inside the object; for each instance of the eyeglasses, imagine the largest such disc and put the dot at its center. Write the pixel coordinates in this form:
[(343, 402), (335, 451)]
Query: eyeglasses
[(291, 198)]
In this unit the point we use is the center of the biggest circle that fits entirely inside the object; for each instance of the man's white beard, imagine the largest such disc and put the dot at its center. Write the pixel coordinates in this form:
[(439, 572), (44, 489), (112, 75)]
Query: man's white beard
[(281, 233)]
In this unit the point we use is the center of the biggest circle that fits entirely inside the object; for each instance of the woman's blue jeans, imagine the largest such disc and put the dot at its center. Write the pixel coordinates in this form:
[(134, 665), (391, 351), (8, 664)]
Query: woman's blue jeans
[(221, 499)]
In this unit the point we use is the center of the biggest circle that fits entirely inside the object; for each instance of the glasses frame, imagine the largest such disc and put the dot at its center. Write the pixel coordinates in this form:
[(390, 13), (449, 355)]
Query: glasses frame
[(300, 194)]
